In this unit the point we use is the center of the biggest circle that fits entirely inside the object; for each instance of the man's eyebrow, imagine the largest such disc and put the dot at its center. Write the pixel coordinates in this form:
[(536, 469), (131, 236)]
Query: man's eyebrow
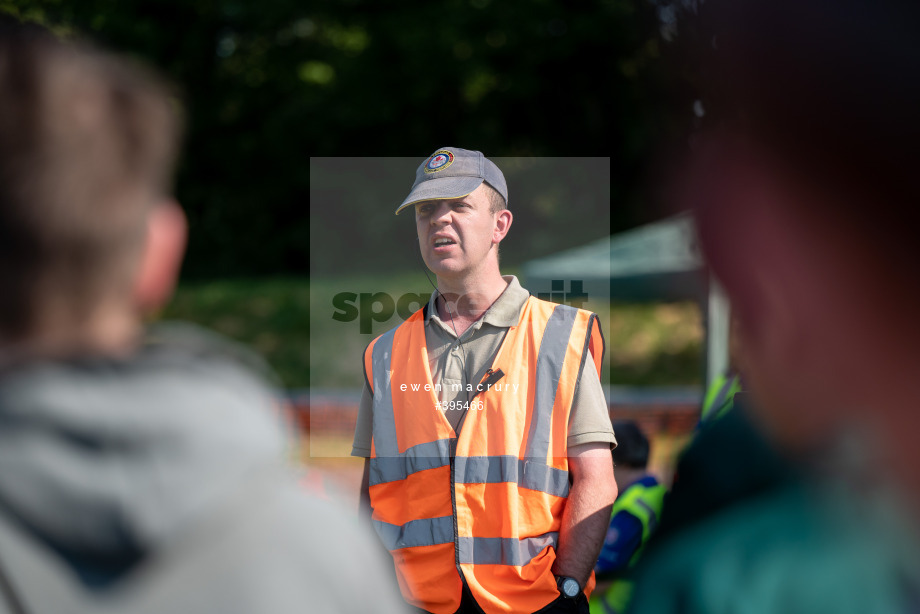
[(459, 199)]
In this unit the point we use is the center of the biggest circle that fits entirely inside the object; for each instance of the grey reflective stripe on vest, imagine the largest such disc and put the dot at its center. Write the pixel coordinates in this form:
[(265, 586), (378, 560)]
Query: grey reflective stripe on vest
[(534, 475), (423, 532), (549, 369), (384, 429), (503, 550), (427, 455)]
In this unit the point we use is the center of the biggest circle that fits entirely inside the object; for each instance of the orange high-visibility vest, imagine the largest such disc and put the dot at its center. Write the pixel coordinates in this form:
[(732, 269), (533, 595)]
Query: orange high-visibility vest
[(483, 507)]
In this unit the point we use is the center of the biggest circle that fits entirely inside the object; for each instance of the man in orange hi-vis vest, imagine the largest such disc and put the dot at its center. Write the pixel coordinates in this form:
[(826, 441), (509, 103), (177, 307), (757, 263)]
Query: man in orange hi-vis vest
[(488, 474)]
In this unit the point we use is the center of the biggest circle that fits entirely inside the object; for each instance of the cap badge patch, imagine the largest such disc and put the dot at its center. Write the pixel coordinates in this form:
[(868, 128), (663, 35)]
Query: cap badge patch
[(439, 161)]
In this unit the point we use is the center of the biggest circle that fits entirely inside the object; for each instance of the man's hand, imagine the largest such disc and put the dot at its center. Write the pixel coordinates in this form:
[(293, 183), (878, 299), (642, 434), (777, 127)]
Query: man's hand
[(587, 511)]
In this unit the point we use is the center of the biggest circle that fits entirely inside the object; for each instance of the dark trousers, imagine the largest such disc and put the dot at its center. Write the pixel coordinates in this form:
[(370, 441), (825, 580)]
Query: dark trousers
[(579, 605)]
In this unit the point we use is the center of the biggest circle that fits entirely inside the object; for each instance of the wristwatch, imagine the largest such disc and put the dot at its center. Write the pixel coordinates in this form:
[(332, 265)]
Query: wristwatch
[(569, 587)]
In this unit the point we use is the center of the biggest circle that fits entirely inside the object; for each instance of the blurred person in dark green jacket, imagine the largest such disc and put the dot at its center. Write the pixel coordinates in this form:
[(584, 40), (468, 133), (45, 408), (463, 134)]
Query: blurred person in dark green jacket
[(803, 184)]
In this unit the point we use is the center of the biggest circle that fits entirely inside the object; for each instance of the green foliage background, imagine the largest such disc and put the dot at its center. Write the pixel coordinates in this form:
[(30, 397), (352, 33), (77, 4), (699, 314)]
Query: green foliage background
[(647, 345), (269, 84), (274, 89)]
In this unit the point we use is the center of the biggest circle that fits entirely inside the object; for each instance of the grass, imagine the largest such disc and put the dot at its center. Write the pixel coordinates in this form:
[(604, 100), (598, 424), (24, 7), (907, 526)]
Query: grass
[(656, 344), (293, 323)]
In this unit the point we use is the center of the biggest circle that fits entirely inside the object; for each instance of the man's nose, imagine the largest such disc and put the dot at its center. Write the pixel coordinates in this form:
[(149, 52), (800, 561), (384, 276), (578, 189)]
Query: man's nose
[(441, 215)]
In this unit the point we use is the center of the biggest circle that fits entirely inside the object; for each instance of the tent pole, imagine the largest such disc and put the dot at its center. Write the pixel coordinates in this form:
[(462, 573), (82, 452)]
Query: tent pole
[(718, 316)]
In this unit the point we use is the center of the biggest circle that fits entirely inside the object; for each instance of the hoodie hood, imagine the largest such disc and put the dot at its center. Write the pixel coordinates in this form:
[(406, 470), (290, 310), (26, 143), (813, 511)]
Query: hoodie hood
[(108, 458)]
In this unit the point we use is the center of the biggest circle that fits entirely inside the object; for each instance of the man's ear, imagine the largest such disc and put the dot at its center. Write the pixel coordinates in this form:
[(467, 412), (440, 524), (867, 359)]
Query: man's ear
[(502, 225), (164, 247)]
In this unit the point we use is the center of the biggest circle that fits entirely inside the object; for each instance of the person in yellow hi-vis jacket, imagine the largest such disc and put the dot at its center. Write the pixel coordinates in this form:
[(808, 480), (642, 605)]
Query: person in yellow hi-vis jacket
[(633, 519), (720, 397)]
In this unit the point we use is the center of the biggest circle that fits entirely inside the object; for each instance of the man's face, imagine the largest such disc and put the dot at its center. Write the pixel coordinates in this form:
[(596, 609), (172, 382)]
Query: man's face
[(456, 235)]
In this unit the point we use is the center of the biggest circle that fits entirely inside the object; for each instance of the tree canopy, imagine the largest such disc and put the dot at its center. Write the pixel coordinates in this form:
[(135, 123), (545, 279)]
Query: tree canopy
[(269, 85)]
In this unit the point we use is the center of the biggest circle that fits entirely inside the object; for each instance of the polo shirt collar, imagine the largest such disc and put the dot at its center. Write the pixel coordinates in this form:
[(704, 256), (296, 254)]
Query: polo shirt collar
[(504, 312)]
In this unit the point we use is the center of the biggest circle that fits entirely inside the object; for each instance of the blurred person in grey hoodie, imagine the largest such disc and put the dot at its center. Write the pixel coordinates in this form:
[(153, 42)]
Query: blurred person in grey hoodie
[(140, 470)]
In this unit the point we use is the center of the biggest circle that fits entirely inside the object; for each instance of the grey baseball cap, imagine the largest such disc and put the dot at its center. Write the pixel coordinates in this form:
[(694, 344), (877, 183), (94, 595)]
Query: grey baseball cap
[(451, 172)]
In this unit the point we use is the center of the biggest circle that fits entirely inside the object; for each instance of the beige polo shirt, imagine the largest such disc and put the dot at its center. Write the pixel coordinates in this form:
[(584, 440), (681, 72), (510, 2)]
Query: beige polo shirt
[(466, 360)]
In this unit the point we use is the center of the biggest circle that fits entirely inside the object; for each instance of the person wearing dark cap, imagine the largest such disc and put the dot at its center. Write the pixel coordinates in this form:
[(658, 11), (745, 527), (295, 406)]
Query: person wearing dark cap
[(633, 519), (488, 474), (141, 470)]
